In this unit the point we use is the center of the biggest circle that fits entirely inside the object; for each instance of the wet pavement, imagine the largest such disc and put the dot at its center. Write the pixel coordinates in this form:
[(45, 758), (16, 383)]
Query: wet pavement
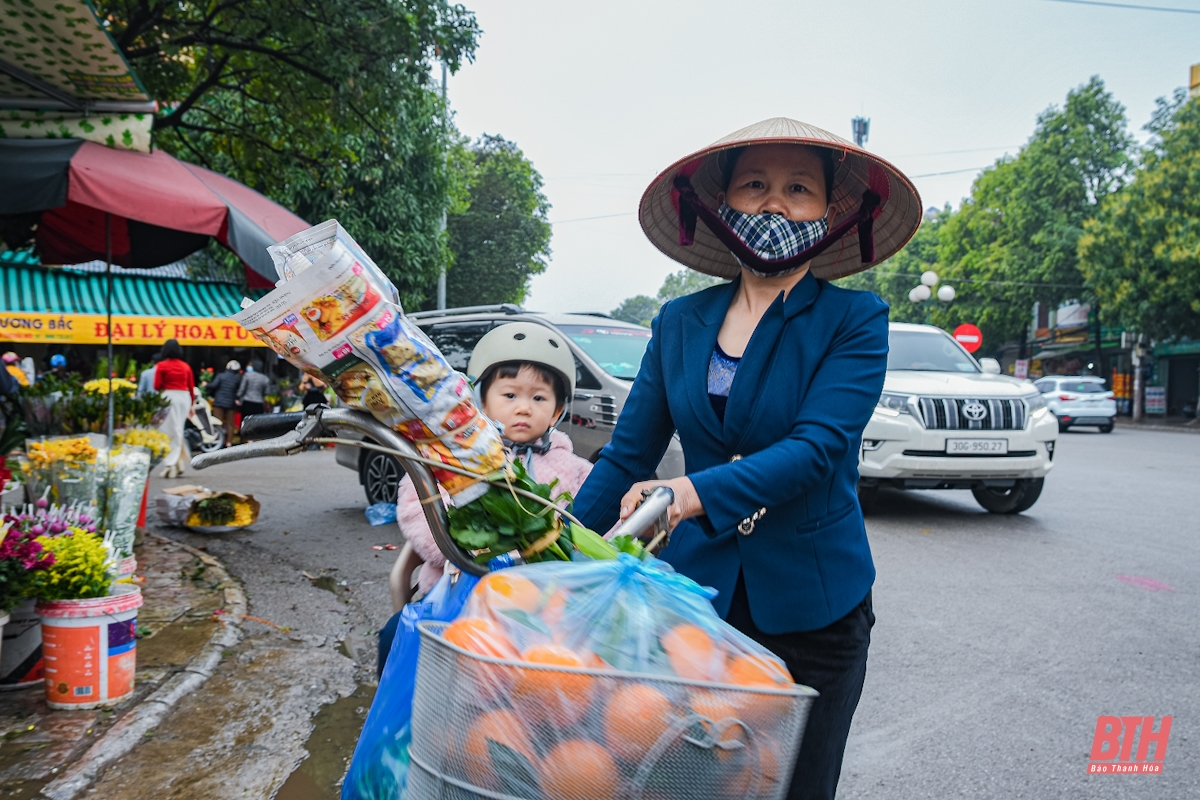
[(176, 621), (281, 717)]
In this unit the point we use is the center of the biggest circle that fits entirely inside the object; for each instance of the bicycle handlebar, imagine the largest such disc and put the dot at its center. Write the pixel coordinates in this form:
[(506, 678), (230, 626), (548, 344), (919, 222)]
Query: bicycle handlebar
[(298, 429), (268, 426)]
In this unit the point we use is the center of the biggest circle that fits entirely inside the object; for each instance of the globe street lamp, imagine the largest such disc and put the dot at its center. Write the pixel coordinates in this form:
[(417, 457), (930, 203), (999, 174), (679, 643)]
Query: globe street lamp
[(924, 290)]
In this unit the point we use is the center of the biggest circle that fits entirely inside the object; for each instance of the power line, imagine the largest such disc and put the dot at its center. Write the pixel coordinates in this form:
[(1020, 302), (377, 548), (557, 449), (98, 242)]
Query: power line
[(956, 152), (950, 172), (1128, 5), (585, 219)]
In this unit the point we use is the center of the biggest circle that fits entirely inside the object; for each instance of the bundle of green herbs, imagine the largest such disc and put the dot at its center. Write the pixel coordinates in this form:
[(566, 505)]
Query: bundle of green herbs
[(502, 521)]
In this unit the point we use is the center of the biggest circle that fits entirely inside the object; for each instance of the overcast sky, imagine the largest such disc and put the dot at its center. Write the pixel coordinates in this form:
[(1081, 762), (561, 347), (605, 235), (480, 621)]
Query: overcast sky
[(601, 96)]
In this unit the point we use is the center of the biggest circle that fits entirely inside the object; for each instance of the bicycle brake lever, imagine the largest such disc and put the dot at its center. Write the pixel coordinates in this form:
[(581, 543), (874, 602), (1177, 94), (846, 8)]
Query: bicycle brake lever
[(290, 443)]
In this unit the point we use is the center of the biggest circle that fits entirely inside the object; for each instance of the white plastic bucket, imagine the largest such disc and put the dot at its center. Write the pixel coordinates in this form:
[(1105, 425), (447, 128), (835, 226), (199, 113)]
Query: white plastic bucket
[(90, 648), (21, 655), (128, 566)]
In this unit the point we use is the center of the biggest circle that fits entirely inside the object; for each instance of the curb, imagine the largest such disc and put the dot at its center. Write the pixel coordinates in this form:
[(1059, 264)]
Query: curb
[(1135, 426), (132, 728)]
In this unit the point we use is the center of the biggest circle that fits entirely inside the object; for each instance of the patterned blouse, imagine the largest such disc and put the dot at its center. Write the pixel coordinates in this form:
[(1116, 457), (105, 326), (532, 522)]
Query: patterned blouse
[(721, 369)]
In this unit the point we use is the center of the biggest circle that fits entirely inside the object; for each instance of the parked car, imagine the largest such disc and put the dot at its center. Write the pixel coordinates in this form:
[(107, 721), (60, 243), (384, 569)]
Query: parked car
[(947, 421), (1078, 400), (608, 353)]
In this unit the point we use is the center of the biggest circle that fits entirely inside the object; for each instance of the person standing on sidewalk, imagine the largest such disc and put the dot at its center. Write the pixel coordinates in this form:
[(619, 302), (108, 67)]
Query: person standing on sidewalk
[(174, 378), (252, 391), (769, 381), (223, 389), (146, 378)]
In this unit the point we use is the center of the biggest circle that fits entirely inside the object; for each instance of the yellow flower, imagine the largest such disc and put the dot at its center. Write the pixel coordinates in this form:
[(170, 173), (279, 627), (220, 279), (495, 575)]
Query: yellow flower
[(101, 385)]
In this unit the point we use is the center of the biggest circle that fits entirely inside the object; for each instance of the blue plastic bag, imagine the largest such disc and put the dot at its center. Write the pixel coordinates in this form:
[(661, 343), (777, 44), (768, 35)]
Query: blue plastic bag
[(379, 769), (381, 513)]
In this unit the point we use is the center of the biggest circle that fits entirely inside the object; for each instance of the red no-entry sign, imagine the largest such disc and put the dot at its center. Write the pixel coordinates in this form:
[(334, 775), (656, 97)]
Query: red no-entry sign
[(969, 337)]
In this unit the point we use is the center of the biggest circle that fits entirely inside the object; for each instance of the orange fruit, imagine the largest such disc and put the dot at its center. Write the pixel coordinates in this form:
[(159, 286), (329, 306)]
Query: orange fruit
[(714, 705), (499, 726), (693, 654), (577, 769), (558, 697), (480, 636), (634, 719), (759, 671), (501, 591)]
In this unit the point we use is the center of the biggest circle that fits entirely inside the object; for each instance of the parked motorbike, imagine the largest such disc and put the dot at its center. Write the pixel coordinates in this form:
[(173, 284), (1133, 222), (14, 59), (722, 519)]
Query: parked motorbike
[(203, 431)]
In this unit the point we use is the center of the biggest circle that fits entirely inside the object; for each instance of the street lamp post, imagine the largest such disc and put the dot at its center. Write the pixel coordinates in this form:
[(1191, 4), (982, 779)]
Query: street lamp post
[(924, 291)]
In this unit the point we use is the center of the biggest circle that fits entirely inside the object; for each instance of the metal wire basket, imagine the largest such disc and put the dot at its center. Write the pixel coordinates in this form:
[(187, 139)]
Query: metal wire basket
[(507, 730)]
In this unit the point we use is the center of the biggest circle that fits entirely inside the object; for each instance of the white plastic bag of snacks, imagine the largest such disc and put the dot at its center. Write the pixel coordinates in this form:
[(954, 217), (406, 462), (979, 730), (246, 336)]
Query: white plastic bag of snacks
[(605, 679), (333, 316)]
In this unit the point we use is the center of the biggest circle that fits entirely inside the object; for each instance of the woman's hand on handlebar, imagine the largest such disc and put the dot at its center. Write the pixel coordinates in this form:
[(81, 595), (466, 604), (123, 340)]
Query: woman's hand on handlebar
[(687, 503)]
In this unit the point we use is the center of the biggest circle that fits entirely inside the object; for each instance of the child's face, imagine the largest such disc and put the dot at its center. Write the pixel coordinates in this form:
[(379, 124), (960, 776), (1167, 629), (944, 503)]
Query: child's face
[(524, 405)]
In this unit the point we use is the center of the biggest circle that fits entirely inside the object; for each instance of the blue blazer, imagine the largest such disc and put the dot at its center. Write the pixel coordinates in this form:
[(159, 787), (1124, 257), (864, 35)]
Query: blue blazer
[(803, 393)]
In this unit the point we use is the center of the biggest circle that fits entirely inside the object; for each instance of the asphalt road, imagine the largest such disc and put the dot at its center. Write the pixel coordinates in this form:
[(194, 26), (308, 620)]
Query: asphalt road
[(999, 640)]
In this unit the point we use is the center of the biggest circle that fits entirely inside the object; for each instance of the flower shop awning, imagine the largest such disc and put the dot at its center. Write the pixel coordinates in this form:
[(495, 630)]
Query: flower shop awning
[(162, 209), (61, 75), (49, 305)]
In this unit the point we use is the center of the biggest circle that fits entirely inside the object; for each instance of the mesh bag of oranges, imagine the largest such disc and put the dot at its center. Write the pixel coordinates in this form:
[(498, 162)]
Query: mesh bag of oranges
[(597, 681)]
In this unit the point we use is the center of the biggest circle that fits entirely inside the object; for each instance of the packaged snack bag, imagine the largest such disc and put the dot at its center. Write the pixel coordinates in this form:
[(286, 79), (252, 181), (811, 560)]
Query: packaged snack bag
[(602, 679), (333, 315)]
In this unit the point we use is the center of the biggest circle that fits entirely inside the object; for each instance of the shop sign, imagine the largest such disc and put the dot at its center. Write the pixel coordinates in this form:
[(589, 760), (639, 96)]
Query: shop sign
[(27, 327), (1021, 369), (1156, 400)]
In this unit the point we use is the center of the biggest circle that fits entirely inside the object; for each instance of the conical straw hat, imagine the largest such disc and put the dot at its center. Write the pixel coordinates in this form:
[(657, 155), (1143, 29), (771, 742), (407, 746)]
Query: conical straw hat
[(855, 171)]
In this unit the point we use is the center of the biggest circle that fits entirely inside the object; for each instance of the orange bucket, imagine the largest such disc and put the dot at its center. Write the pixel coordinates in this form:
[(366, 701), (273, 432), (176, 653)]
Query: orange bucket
[(90, 648)]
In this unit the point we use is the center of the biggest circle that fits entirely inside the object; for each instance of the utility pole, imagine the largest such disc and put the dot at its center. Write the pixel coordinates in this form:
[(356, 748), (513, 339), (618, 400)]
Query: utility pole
[(441, 284), (861, 127)]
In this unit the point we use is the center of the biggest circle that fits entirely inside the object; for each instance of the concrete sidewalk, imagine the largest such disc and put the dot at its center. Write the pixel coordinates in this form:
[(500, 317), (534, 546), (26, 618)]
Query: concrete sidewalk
[(1170, 424), (191, 613)]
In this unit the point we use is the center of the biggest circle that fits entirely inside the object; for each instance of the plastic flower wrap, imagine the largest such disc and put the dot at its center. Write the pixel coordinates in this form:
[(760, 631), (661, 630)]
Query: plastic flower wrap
[(64, 465), (125, 471)]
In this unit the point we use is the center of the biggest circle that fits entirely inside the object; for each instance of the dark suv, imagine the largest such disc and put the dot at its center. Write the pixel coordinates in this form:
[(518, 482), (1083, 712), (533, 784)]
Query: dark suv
[(607, 353)]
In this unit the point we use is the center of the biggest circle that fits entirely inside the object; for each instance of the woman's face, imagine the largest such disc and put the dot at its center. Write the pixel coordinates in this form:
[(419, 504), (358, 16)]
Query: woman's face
[(786, 179)]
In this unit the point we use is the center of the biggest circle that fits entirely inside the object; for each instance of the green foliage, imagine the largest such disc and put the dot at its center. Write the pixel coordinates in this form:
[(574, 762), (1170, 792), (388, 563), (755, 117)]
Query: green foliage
[(1014, 241), (685, 282), (325, 106), (498, 229), (639, 309), (219, 510), (501, 521), (1141, 255), (79, 571)]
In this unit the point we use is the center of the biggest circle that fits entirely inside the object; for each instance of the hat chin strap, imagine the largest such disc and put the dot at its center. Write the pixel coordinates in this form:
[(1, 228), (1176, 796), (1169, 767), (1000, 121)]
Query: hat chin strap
[(692, 207)]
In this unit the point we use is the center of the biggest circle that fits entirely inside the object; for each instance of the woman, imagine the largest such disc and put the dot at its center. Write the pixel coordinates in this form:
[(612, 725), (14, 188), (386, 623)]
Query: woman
[(312, 391), (223, 390), (175, 379), (769, 381)]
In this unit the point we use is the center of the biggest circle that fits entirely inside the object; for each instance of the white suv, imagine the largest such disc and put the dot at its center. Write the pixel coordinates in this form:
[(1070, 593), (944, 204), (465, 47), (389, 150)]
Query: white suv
[(1078, 400), (947, 421)]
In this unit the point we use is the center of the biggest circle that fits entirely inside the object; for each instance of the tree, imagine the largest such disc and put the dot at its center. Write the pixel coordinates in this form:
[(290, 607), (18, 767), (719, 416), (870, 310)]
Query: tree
[(1014, 241), (500, 237), (1141, 255), (323, 105), (684, 282), (640, 310)]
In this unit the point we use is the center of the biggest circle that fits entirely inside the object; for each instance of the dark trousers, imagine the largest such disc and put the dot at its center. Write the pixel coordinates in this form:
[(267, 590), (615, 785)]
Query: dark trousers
[(832, 660)]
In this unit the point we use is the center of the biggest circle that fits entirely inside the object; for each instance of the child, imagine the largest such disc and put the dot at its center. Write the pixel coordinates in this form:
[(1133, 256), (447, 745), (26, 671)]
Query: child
[(524, 374)]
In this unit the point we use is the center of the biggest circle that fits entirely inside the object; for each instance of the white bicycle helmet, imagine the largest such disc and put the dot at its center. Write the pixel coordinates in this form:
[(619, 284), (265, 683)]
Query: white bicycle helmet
[(528, 342)]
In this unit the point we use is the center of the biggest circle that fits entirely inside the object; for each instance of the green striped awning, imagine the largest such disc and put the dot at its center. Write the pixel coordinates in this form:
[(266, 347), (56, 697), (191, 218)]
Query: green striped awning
[(29, 288)]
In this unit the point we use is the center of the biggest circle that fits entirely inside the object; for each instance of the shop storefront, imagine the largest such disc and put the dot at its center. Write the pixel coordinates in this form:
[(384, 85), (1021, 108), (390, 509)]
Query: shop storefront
[(44, 311)]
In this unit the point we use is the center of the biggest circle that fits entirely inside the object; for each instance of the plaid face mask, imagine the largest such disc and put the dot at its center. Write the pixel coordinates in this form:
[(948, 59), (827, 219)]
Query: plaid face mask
[(773, 237)]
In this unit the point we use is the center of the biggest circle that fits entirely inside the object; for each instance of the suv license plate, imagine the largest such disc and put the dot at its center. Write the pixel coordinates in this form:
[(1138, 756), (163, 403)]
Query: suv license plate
[(976, 447)]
